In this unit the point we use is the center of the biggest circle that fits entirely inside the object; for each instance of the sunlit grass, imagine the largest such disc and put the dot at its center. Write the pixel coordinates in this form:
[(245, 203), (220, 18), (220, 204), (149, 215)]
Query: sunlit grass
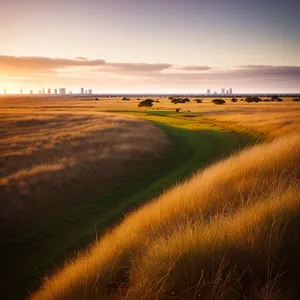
[(225, 234)]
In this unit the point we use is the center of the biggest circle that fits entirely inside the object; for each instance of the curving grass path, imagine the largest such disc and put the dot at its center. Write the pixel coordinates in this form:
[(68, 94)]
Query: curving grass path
[(29, 256)]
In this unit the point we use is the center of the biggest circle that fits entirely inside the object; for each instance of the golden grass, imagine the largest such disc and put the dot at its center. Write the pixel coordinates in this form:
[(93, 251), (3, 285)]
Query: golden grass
[(231, 232), (224, 234), (51, 160), (267, 118)]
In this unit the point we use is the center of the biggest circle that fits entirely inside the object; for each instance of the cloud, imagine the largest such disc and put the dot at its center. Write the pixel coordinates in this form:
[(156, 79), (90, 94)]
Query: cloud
[(81, 68), (12, 65), (270, 71), (194, 68), (138, 67)]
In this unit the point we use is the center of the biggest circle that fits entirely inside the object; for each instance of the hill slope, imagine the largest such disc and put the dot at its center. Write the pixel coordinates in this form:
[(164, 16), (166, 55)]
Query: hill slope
[(231, 232)]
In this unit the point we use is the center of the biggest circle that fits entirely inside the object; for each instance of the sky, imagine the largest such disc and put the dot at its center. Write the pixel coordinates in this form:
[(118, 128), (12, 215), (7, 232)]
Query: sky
[(160, 46)]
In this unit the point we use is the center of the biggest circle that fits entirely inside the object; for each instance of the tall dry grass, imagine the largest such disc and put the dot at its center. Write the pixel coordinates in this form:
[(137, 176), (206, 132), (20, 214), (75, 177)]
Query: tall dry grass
[(50, 161), (231, 232)]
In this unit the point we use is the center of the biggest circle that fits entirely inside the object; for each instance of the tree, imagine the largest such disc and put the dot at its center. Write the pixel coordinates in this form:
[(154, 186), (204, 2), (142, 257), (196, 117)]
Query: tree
[(234, 100), (146, 103), (218, 101), (253, 99)]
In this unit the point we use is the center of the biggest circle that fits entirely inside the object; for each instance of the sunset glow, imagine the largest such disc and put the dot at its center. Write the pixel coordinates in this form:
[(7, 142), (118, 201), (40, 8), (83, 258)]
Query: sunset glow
[(150, 46)]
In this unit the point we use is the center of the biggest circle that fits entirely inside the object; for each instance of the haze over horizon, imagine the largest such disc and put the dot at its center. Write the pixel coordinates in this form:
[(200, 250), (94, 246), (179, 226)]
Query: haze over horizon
[(150, 46)]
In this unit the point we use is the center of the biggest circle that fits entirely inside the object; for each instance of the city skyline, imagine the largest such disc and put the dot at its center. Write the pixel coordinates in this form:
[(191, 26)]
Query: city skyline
[(150, 46)]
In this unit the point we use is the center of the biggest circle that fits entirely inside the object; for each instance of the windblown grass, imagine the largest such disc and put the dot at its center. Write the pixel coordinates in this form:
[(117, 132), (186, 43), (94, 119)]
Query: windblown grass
[(51, 161), (231, 232)]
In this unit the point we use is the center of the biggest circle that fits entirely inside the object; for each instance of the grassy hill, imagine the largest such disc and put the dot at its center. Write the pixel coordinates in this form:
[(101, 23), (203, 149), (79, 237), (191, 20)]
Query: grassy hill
[(230, 232), (49, 241)]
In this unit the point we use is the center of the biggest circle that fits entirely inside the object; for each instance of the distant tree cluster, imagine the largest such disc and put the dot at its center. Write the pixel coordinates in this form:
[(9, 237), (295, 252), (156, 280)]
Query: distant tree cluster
[(276, 98), (198, 100), (125, 99), (253, 99), (234, 100), (179, 100), (218, 101), (296, 99)]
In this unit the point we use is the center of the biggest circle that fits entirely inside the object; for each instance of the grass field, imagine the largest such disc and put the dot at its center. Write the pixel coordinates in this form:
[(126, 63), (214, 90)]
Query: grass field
[(103, 197), (230, 232), (52, 161)]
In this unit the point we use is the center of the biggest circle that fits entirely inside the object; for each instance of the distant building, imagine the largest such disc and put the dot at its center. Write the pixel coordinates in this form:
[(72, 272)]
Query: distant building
[(55, 91), (90, 91), (82, 91), (86, 91), (43, 91), (227, 92), (40, 91), (208, 92), (230, 91), (4, 91), (31, 92), (62, 91), (216, 93), (21, 91), (49, 91), (223, 91)]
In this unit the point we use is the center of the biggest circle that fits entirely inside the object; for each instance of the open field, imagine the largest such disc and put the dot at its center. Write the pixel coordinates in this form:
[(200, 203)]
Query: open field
[(214, 226), (95, 190), (200, 134), (230, 232), (269, 119)]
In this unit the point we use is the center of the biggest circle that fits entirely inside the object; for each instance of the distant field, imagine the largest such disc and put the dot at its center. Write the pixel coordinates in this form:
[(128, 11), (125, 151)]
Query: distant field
[(266, 118)]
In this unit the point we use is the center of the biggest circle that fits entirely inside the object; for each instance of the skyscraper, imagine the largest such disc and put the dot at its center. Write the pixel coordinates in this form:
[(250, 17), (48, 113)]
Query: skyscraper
[(230, 91), (21, 91), (40, 91), (49, 91), (223, 91), (227, 92), (90, 91), (4, 91), (43, 91), (62, 91), (208, 92), (31, 92), (55, 91), (82, 91)]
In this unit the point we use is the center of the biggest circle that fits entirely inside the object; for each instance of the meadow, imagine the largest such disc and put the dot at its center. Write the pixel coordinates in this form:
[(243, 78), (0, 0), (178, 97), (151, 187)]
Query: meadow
[(224, 233)]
